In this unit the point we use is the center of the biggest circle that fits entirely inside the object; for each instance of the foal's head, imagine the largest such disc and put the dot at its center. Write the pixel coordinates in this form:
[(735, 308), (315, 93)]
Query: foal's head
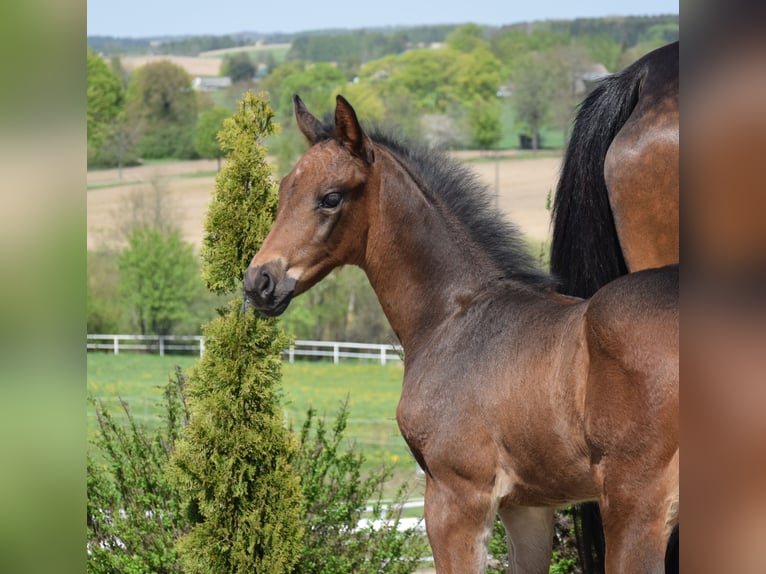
[(322, 217)]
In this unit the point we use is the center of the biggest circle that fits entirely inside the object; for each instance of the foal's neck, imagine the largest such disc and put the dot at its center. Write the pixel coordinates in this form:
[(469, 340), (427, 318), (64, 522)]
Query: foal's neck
[(422, 263)]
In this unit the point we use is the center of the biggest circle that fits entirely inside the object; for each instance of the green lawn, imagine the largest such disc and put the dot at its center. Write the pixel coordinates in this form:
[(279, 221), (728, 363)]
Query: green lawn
[(373, 393)]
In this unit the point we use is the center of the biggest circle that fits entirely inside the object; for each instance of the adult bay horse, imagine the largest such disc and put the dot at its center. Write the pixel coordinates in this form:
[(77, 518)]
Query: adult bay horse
[(515, 399), (616, 203)]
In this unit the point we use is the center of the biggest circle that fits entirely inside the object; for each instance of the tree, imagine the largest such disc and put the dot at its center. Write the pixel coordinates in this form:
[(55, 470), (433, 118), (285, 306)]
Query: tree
[(467, 38), (239, 67), (532, 94), (160, 98), (209, 124), (513, 45), (422, 77), (315, 86), (566, 64), (475, 75), (158, 279), (105, 100), (485, 124), (234, 461), (119, 145)]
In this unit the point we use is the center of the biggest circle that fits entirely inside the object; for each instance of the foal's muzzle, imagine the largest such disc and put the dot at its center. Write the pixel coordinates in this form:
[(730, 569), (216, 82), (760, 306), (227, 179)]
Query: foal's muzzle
[(268, 288)]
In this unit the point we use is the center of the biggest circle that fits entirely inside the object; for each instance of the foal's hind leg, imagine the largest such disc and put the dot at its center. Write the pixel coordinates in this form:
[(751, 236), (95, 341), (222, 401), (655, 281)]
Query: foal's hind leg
[(529, 532), (459, 520), (639, 510)]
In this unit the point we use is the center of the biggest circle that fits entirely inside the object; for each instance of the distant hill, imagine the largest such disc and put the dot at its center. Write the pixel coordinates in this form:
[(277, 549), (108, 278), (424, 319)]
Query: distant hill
[(377, 42)]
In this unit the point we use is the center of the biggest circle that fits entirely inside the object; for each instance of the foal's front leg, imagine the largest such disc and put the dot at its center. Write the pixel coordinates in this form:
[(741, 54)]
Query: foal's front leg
[(459, 522)]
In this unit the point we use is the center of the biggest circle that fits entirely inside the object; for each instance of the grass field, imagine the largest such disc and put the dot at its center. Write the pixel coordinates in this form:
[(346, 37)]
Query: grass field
[(372, 390)]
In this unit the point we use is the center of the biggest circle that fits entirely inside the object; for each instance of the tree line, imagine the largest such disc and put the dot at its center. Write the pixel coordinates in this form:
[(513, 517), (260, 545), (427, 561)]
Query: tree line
[(453, 96)]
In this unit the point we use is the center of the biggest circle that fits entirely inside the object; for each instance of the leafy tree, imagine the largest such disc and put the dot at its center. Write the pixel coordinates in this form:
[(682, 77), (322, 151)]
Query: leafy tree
[(116, 64), (475, 75), (485, 123), (161, 100), (239, 67), (315, 85), (105, 101), (209, 124), (104, 313), (532, 94), (119, 146), (564, 65), (158, 279), (234, 461), (367, 102), (273, 83), (601, 50), (422, 77), (512, 45), (467, 38)]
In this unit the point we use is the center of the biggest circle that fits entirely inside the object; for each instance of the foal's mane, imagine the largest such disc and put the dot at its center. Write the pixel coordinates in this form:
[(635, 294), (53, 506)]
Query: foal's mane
[(469, 199)]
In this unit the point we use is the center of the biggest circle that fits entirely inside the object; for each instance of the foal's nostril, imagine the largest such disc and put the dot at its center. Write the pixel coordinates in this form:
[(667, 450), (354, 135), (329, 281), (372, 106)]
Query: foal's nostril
[(265, 285), (259, 283)]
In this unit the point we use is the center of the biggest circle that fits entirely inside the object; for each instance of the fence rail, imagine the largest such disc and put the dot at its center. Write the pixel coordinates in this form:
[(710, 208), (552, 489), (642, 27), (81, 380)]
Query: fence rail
[(168, 344)]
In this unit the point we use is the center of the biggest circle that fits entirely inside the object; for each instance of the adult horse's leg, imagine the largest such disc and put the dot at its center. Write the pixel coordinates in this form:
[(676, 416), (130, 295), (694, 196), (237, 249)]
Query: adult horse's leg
[(529, 532), (459, 519)]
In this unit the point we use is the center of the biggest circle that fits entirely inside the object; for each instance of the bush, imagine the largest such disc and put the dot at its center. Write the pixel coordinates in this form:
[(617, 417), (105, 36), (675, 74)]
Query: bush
[(134, 512), (335, 498)]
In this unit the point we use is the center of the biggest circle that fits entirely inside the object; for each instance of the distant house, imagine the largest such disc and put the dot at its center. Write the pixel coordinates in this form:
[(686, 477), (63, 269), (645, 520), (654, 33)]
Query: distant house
[(210, 83)]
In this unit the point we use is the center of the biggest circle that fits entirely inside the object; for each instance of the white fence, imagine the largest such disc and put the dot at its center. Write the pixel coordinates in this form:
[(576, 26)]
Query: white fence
[(168, 344)]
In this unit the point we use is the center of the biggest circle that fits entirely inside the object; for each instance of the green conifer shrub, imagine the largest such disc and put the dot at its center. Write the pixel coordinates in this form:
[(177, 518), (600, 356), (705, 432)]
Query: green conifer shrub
[(233, 463)]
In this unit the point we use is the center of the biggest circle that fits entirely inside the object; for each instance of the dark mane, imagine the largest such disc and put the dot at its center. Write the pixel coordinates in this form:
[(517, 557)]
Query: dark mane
[(470, 200)]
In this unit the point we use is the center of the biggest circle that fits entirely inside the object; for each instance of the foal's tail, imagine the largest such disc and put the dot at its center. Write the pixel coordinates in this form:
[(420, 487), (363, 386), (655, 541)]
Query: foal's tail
[(585, 253)]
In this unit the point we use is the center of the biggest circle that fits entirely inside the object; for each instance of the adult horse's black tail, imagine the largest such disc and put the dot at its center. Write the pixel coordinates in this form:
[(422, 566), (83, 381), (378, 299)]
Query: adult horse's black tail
[(585, 253)]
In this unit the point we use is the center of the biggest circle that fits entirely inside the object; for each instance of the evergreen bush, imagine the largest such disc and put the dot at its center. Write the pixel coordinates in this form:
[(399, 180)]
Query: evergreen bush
[(234, 461)]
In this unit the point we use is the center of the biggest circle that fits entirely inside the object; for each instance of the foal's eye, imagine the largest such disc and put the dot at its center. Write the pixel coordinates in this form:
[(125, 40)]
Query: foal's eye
[(331, 200)]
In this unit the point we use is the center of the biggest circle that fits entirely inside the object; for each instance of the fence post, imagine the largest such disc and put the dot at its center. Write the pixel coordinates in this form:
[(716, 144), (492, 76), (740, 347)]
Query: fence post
[(162, 345), (335, 353), (382, 354), (201, 346), (291, 354), (116, 344)]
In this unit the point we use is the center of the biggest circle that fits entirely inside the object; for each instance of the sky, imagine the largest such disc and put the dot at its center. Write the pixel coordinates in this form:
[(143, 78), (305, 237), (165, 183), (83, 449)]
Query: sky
[(146, 18)]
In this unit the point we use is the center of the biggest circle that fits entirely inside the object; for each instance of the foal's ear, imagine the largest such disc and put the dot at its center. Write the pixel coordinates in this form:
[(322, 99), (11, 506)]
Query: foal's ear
[(310, 126), (349, 132)]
